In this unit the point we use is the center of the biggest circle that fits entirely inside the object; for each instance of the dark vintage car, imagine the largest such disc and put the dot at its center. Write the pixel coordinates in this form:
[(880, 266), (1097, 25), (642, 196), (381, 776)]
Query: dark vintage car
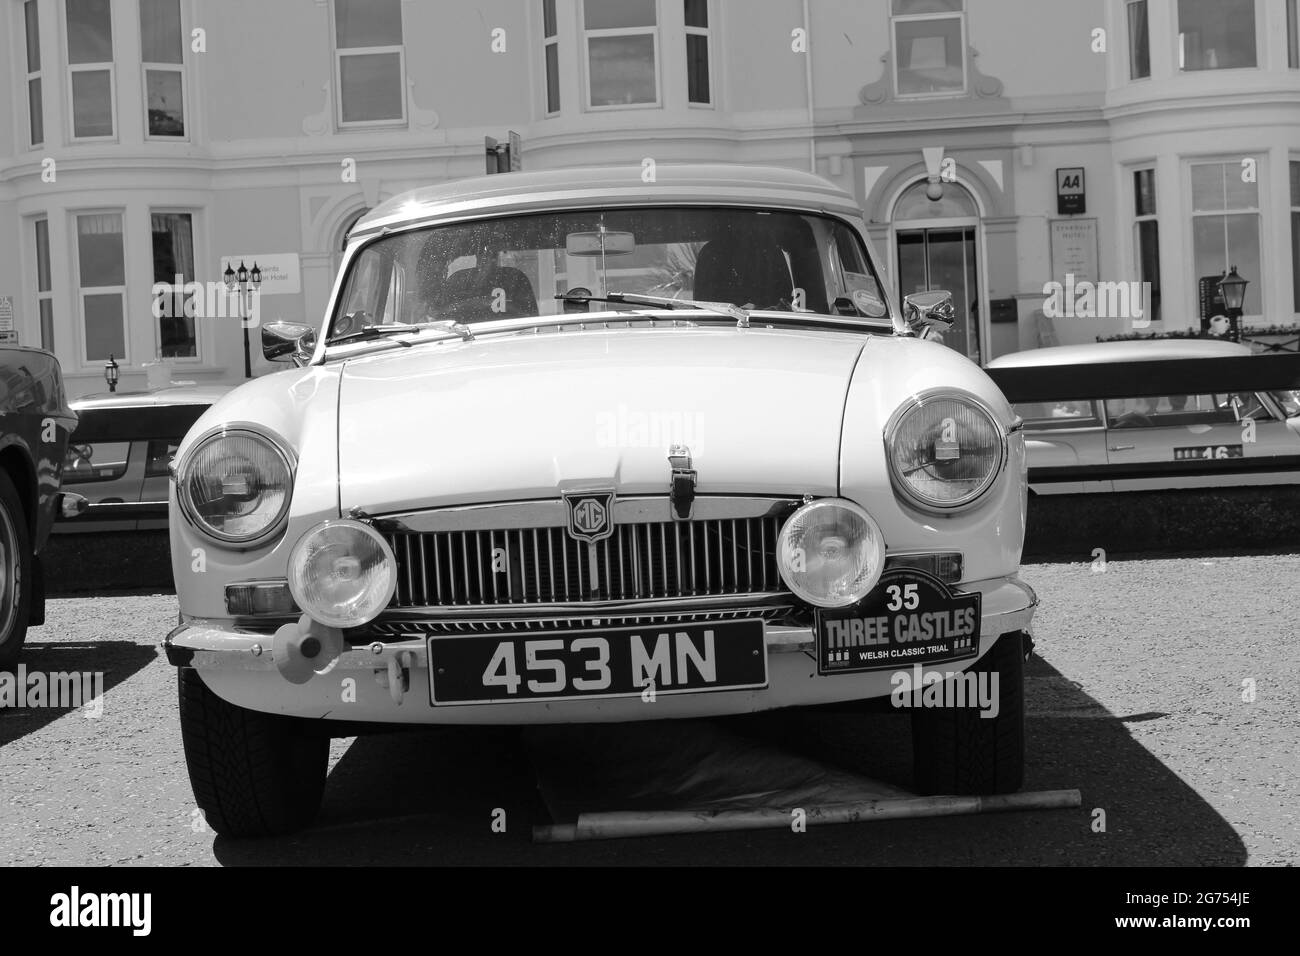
[(116, 465), (35, 423)]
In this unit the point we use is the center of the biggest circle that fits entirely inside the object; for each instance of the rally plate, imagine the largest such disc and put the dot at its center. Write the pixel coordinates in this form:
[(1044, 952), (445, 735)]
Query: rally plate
[(910, 617)]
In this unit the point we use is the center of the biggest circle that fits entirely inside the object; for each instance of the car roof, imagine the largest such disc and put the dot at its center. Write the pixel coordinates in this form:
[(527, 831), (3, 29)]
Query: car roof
[(622, 184), (1139, 350), (153, 398)]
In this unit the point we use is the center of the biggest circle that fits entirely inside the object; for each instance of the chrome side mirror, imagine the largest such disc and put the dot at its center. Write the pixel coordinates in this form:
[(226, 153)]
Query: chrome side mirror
[(291, 339), (923, 312)]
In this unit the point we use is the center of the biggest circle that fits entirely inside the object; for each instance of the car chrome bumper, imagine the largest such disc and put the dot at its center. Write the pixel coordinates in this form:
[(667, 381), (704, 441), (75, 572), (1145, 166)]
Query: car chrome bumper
[(390, 680)]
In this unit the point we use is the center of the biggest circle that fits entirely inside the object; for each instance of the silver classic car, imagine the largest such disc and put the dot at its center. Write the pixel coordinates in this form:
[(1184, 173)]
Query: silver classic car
[(1209, 438), (592, 445)]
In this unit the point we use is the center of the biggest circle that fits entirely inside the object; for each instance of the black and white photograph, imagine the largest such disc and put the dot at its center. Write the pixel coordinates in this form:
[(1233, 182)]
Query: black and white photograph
[(650, 434)]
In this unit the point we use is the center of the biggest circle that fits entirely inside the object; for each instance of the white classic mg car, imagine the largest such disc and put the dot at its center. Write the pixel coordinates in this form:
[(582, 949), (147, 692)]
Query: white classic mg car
[(574, 446)]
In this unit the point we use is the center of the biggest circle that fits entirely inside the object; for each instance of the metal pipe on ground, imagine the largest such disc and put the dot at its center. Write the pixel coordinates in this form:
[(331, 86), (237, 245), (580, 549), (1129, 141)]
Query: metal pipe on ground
[(619, 825)]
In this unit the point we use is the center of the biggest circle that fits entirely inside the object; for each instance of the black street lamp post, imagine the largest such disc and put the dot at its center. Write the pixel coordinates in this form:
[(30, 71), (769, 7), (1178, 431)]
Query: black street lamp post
[(1233, 288), (243, 279)]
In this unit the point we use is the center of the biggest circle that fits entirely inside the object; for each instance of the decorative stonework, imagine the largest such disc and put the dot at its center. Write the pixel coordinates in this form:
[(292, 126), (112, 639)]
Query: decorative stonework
[(419, 118), (978, 85), (318, 124)]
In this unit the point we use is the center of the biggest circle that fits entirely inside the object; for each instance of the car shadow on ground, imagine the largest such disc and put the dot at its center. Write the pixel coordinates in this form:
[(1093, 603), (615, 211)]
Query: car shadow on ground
[(470, 796), (116, 661)]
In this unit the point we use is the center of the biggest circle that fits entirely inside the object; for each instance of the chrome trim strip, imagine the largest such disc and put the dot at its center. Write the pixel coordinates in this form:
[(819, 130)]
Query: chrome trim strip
[(579, 609), (553, 513)]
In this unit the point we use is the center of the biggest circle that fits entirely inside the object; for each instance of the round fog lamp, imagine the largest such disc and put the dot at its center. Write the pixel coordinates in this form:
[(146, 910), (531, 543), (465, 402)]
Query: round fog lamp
[(831, 553), (342, 573)]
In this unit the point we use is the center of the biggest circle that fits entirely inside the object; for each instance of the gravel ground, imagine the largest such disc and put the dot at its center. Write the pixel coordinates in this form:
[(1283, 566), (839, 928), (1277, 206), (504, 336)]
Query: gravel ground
[(1136, 697)]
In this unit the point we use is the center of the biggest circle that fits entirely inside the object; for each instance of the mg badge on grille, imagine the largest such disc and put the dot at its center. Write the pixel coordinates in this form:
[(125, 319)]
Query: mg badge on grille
[(591, 514)]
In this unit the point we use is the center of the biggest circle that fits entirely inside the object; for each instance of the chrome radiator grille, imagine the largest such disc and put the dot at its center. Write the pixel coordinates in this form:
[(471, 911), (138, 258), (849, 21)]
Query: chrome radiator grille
[(641, 561)]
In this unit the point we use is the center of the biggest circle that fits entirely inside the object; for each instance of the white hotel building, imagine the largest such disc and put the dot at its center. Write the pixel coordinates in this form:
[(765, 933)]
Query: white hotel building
[(141, 139)]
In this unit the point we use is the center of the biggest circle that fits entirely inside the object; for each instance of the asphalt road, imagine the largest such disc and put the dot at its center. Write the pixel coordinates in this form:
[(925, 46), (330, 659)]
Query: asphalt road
[(1136, 697)]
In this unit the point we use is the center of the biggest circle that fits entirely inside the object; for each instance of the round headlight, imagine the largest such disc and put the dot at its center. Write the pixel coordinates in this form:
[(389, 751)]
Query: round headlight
[(945, 450), (235, 486), (831, 553), (342, 573)]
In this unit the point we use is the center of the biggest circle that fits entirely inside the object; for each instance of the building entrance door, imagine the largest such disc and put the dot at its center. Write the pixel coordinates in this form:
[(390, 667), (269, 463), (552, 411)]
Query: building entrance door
[(944, 257)]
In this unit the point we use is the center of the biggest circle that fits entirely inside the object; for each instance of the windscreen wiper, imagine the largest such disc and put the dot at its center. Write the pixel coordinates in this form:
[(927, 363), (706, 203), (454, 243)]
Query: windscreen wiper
[(662, 302), (376, 332)]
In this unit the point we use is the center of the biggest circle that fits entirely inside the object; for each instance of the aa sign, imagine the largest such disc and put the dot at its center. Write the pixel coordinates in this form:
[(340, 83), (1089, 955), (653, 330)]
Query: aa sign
[(1070, 192)]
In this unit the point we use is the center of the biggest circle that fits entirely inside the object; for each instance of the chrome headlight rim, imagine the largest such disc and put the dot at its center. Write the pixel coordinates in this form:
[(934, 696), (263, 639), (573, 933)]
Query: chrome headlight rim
[(232, 429), (904, 488), (815, 600), (368, 531)]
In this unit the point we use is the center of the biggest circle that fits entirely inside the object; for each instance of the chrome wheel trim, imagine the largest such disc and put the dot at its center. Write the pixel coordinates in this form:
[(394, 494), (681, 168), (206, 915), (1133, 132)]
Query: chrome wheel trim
[(10, 570)]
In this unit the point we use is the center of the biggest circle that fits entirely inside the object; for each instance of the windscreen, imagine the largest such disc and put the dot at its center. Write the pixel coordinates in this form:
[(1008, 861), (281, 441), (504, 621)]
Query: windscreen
[(517, 266)]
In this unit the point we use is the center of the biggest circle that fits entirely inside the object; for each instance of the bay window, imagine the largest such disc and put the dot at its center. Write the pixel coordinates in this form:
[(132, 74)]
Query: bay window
[(35, 95), (1216, 34), (1226, 226), (101, 282), (173, 263), (90, 68), (622, 46), (162, 50)]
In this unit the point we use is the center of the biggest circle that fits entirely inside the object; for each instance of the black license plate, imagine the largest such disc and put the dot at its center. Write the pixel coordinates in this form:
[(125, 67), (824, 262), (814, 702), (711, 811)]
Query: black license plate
[(617, 662), (910, 617), (1208, 452)]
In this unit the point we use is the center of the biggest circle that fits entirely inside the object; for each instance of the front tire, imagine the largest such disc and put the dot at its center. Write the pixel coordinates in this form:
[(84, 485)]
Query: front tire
[(253, 774), (956, 751), (15, 574)]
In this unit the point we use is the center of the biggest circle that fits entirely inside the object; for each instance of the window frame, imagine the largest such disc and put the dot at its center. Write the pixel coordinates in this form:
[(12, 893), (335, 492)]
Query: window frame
[(197, 357), (356, 51), (31, 76), (551, 42), (72, 69), (588, 35), (1095, 421), (1293, 34), (182, 68), (1128, 26), (1293, 206), (1261, 161), (82, 290), (1155, 313), (706, 32), (896, 19), (43, 295), (1180, 49)]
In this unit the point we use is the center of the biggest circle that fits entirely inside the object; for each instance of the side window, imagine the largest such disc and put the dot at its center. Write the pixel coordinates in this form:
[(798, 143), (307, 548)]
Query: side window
[(1243, 405), (1048, 415), (87, 462), (853, 279), (1168, 411), (374, 293), (160, 456)]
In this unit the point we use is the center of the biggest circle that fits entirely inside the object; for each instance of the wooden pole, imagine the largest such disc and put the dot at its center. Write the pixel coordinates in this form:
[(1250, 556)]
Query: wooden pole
[(606, 826)]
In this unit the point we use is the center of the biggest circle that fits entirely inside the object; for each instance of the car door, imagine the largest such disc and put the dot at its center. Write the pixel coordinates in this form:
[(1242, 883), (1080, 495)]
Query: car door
[(1065, 444), (106, 473), (154, 490), (1198, 441)]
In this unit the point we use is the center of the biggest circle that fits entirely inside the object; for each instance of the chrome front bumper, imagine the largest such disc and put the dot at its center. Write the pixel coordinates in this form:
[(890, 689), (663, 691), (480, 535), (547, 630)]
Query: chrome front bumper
[(388, 682)]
